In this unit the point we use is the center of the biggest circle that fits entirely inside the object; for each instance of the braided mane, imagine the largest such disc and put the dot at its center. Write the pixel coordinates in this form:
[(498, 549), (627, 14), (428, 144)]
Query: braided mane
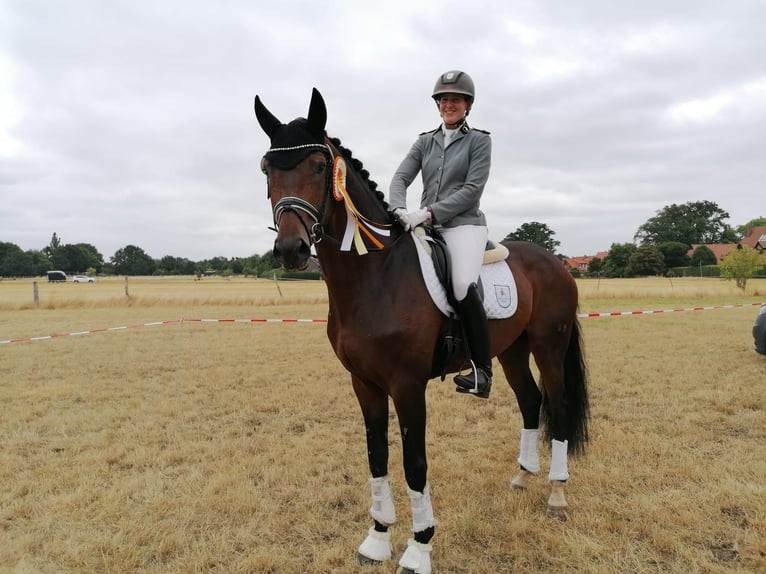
[(359, 167)]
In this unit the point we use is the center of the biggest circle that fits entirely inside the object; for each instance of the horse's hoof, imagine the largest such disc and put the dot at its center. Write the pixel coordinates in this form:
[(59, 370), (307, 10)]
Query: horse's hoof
[(557, 512), (521, 482), (363, 560), (403, 570)]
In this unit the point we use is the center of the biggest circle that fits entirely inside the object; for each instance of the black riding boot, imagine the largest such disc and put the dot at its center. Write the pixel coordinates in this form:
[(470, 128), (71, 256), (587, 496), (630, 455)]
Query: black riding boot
[(479, 381)]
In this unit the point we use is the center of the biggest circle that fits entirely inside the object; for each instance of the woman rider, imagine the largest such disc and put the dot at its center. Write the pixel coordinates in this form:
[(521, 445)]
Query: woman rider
[(454, 162)]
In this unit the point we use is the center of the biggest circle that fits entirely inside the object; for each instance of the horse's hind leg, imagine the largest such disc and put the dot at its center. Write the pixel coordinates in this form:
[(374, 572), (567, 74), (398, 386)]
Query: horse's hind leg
[(376, 547), (515, 363), (549, 353)]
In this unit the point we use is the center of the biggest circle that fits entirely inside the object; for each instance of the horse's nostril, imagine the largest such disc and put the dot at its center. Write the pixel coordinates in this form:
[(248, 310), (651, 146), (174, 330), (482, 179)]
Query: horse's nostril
[(292, 253)]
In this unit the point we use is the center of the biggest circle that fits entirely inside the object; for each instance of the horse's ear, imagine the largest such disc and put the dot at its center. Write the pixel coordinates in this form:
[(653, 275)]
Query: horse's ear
[(317, 114), (268, 121)]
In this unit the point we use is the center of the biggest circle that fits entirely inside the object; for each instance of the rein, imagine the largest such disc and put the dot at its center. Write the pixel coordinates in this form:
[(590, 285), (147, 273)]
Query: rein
[(335, 186)]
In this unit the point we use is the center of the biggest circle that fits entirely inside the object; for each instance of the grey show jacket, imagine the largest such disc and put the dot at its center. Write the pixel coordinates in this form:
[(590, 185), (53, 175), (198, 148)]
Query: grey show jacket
[(453, 179)]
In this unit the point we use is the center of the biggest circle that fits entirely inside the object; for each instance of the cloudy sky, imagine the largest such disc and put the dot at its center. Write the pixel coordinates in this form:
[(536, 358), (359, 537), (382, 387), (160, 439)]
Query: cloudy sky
[(131, 122)]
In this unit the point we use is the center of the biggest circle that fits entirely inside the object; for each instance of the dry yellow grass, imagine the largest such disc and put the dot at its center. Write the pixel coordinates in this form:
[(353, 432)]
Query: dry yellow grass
[(239, 448)]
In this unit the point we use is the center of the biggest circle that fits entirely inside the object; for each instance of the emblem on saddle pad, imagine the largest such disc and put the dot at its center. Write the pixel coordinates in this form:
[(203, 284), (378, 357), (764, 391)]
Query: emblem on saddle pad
[(503, 295)]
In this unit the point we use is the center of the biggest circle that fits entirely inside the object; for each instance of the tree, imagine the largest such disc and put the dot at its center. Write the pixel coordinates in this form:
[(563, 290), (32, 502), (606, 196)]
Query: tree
[(51, 248), (741, 264), (41, 263), (646, 260), (616, 262), (262, 265), (132, 260), (690, 223), (674, 253), (77, 257), (170, 265), (14, 262), (702, 256), (237, 265), (535, 232), (596, 266)]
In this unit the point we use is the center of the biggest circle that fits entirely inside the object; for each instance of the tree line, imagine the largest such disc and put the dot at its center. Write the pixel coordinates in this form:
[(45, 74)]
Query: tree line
[(129, 260), (659, 245)]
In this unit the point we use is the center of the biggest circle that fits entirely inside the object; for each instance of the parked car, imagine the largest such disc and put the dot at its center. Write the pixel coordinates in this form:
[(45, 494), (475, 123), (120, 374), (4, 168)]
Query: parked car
[(83, 279), (759, 330)]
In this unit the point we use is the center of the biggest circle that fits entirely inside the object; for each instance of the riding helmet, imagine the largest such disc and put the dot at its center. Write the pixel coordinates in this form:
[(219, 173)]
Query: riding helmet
[(454, 82)]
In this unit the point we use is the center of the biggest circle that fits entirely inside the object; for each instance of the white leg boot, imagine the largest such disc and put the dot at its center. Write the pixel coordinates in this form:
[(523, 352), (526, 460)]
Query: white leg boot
[(557, 504), (377, 546), (417, 557), (559, 460), (382, 508), (529, 458)]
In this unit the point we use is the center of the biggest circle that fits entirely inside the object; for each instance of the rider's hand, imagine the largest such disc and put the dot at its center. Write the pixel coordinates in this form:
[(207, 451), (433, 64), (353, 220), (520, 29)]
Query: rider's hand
[(419, 217), (411, 219), (403, 218)]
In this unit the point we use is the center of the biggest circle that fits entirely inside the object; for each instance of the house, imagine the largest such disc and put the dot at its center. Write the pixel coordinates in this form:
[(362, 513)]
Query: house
[(581, 263), (720, 250), (755, 239)]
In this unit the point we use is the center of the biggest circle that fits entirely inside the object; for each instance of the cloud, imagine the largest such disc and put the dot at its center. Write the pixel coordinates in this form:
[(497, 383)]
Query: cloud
[(132, 122)]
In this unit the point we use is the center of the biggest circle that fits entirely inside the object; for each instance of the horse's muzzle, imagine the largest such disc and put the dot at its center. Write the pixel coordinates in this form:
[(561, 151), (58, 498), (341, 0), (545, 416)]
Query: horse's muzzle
[(292, 253)]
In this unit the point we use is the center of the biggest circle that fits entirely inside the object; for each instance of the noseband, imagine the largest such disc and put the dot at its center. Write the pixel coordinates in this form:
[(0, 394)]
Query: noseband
[(296, 204)]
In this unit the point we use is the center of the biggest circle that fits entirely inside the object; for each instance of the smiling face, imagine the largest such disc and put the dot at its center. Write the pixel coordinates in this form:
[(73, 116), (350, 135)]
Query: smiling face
[(453, 108)]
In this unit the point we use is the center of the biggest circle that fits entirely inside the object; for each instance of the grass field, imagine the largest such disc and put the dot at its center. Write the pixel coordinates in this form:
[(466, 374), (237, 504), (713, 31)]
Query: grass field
[(239, 448)]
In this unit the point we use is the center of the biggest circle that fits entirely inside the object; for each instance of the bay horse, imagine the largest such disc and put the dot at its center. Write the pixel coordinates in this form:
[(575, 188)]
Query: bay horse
[(384, 327)]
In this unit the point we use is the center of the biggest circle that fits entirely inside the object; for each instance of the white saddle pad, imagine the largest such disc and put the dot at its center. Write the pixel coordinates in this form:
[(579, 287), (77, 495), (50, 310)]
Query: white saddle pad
[(500, 297)]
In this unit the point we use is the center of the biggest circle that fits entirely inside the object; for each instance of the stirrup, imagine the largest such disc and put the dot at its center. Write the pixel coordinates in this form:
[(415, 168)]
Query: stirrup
[(473, 384)]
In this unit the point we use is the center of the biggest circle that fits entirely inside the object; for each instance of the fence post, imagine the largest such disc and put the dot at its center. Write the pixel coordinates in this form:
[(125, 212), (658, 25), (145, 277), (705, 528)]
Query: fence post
[(127, 294), (36, 293), (274, 275)]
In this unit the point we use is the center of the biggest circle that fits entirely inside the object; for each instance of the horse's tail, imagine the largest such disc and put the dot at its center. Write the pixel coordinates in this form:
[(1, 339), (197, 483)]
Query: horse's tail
[(575, 394)]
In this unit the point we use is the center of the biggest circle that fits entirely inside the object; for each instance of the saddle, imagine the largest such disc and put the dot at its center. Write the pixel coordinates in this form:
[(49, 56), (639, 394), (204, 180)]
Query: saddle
[(450, 346), (435, 245)]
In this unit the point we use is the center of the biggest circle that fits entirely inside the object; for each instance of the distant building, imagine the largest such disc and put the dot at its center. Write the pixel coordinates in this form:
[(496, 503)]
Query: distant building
[(755, 239), (581, 263), (720, 250)]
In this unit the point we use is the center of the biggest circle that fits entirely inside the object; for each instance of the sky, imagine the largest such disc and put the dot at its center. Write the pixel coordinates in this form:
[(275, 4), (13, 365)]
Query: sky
[(131, 122)]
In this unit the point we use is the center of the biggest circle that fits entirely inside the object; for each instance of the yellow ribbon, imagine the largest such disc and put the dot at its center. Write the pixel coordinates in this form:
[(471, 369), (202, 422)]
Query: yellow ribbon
[(360, 222)]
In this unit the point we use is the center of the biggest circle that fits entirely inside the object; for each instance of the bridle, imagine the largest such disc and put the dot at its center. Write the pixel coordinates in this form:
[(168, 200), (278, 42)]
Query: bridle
[(298, 205), (357, 223)]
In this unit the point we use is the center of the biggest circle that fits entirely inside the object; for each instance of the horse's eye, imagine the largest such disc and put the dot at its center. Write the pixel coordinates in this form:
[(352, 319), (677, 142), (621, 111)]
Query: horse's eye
[(320, 168), (264, 165)]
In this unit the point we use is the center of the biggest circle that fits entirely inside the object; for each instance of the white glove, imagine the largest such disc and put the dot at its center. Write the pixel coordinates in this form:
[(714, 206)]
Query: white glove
[(412, 219), (401, 216)]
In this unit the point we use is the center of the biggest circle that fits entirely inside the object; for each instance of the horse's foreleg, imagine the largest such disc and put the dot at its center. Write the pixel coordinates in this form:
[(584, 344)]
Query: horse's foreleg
[(376, 547), (411, 410)]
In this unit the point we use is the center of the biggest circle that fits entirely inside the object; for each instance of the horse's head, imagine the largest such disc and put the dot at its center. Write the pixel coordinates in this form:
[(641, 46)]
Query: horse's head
[(298, 168)]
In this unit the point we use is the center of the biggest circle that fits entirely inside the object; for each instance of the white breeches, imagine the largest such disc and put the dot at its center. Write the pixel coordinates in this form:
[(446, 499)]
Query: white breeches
[(466, 244)]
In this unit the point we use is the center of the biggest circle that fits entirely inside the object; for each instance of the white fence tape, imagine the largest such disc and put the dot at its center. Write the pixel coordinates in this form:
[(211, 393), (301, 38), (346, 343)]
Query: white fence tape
[(184, 320)]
